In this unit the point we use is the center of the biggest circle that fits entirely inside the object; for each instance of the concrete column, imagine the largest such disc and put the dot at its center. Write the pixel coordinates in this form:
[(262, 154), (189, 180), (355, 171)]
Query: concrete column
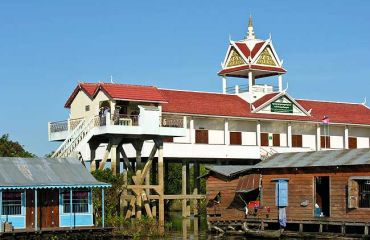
[(115, 159), (185, 122), (346, 135), (250, 82), (183, 188), (258, 133), (236, 89), (191, 131), (318, 137), (226, 132), (280, 80), (289, 135), (224, 85)]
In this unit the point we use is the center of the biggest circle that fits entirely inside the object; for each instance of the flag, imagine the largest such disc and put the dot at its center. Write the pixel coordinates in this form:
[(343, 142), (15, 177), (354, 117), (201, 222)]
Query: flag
[(325, 120)]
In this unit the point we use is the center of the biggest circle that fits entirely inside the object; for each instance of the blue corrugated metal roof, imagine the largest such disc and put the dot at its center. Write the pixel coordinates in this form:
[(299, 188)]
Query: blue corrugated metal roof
[(31, 173)]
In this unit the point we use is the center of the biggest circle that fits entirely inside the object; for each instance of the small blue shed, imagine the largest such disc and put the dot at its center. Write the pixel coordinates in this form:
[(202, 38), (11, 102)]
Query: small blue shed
[(46, 193)]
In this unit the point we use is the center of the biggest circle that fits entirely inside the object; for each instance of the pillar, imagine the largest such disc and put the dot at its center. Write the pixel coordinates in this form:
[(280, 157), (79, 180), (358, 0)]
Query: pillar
[(183, 188), (196, 186), (289, 135), (318, 138), (185, 122), (1, 211), (280, 80), (226, 132), (346, 136), (102, 208), (36, 210), (192, 131), (147, 182), (93, 147), (70, 208), (138, 145), (258, 133), (224, 85), (115, 159), (250, 82), (187, 188), (161, 186), (237, 89)]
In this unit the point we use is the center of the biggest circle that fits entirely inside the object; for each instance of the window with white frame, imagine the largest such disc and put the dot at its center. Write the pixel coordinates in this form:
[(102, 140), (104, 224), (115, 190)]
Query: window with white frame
[(12, 203), (80, 201)]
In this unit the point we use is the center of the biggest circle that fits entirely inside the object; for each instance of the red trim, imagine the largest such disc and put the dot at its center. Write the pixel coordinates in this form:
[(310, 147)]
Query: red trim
[(256, 48), (252, 67)]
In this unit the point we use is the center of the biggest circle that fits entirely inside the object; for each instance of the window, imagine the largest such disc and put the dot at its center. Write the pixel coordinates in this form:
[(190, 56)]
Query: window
[(325, 141), (235, 138), (352, 142), (87, 108), (322, 196), (264, 139), (276, 140), (281, 193), (80, 201), (201, 136), (364, 193), (296, 140), (12, 203)]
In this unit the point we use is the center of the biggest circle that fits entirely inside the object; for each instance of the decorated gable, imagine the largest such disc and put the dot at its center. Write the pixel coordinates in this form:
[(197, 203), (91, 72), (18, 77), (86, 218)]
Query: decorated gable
[(234, 59), (283, 105), (267, 58)]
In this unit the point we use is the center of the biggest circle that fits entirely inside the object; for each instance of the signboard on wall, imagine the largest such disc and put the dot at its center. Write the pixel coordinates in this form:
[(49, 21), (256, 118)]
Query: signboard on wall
[(281, 107)]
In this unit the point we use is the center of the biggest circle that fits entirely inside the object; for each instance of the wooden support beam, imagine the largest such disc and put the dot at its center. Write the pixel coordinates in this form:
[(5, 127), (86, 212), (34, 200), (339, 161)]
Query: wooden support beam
[(187, 188), (115, 159), (159, 144), (106, 155), (183, 188), (130, 208), (196, 181), (138, 145), (93, 146), (146, 205), (125, 159)]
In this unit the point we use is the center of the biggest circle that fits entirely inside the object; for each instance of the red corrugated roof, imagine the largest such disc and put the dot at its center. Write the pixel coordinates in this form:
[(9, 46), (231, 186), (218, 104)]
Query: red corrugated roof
[(119, 91), (200, 103), (264, 99), (132, 92)]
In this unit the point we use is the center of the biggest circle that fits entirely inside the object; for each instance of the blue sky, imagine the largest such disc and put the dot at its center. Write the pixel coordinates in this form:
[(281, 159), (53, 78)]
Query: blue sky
[(46, 47)]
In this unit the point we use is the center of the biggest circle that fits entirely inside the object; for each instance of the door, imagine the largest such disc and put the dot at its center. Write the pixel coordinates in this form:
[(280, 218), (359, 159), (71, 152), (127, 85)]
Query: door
[(352, 142), (264, 139), (276, 140), (201, 136), (49, 208), (296, 140), (30, 210)]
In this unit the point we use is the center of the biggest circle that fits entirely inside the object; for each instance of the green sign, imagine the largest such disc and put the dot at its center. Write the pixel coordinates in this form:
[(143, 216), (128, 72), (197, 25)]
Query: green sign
[(281, 107)]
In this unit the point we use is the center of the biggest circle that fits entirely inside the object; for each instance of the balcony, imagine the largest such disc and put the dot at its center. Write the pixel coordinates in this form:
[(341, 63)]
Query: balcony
[(148, 122)]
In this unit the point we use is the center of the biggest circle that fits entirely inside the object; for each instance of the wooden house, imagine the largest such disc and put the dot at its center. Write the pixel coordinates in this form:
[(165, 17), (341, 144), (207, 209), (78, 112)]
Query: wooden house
[(37, 194), (311, 190)]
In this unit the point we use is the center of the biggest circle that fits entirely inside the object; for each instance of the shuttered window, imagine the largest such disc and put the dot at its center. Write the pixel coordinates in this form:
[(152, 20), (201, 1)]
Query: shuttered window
[(296, 140), (276, 140), (281, 193), (235, 138), (264, 139), (352, 142), (201, 136), (352, 193)]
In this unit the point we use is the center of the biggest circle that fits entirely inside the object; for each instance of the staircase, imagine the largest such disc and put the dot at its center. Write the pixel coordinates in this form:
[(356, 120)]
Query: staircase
[(68, 147), (266, 153)]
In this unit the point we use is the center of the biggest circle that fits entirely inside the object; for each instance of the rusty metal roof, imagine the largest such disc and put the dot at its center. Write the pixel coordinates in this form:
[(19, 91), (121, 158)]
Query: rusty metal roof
[(228, 170), (32, 173), (348, 157)]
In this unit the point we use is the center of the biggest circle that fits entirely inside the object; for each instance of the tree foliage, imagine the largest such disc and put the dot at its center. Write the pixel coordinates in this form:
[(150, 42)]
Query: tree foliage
[(9, 148)]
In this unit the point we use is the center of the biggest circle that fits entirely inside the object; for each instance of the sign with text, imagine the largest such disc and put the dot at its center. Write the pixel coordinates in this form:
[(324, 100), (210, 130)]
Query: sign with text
[(281, 107)]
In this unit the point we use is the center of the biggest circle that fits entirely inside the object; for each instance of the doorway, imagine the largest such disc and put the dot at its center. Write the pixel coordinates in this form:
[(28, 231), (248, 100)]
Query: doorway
[(322, 196)]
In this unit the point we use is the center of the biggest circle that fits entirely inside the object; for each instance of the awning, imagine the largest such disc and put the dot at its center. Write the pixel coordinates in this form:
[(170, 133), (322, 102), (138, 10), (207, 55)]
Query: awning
[(248, 183), (101, 185)]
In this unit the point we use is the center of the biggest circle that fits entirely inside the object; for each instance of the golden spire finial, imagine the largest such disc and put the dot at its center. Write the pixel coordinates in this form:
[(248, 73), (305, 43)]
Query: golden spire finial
[(250, 34)]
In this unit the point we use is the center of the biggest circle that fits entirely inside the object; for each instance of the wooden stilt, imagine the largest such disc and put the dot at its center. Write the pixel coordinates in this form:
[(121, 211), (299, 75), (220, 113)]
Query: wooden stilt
[(161, 184), (138, 199), (115, 158), (106, 155), (196, 186), (125, 158), (93, 147), (138, 145), (183, 189), (366, 230), (187, 188)]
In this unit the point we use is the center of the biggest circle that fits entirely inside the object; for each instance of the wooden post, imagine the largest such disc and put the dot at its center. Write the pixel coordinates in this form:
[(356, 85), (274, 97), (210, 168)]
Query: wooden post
[(138, 145), (36, 211), (166, 169), (102, 208), (196, 186), (161, 185), (187, 188), (343, 229), (366, 230), (106, 155), (70, 208), (320, 228), (183, 189), (1, 210), (123, 201), (138, 200), (93, 147), (301, 227), (115, 157)]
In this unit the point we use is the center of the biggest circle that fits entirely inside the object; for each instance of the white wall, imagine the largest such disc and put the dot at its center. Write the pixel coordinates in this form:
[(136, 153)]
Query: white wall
[(78, 105), (308, 132), (248, 130)]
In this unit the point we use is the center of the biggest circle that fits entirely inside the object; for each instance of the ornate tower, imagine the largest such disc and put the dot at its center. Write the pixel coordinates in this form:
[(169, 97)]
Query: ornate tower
[(252, 58)]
